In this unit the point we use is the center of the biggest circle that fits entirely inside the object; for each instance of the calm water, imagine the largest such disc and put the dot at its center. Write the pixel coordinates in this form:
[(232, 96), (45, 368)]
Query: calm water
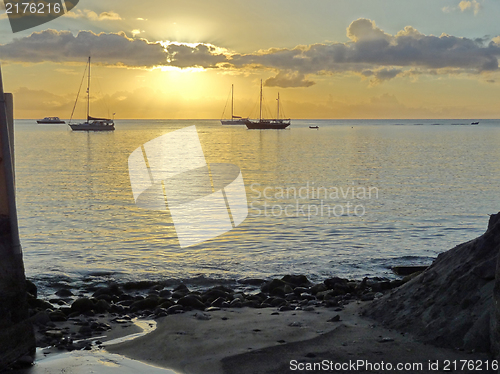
[(432, 187)]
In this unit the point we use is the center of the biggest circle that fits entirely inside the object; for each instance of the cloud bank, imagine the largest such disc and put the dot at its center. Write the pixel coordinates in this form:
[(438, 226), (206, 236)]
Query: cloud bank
[(370, 53)]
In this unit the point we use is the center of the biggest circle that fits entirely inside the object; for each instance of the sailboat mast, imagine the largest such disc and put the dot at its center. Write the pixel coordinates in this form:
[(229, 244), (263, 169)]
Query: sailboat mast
[(88, 94), (232, 100), (278, 112), (260, 111)]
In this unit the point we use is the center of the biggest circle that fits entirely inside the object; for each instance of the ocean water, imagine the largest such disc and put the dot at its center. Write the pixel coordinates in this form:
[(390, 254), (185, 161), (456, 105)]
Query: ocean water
[(351, 199)]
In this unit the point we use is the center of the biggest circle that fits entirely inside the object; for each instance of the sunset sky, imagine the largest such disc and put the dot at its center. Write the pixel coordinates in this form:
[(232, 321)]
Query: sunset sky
[(327, 58)]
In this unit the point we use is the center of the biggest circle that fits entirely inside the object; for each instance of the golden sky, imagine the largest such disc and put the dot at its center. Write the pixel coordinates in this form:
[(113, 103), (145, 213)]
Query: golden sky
[(326, 58)]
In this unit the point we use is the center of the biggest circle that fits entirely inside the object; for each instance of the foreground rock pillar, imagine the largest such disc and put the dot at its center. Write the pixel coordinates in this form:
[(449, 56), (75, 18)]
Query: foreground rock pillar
[(16, 332)]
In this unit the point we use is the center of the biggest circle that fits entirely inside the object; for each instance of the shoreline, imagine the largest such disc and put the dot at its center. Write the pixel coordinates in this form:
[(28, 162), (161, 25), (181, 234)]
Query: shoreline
[(222, 327)]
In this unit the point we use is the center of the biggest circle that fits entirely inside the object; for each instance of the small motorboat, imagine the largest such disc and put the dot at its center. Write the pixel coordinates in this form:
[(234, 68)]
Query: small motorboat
[(474, 123), (314, 127), (50, 120)]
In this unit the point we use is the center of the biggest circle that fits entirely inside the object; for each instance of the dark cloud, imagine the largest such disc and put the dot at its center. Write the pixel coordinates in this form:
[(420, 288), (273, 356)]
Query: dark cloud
[(63, 46), (200, 55)]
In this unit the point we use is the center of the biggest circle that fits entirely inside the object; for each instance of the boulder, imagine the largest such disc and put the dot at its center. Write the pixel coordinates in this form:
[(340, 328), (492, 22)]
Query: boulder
[(450, 303)]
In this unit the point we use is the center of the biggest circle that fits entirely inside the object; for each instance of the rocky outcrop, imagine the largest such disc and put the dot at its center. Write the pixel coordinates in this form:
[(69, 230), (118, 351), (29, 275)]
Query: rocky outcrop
[(450, 304)]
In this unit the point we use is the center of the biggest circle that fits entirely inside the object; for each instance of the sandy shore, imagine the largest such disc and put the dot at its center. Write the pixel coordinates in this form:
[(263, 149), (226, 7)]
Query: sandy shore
[(264, 341)]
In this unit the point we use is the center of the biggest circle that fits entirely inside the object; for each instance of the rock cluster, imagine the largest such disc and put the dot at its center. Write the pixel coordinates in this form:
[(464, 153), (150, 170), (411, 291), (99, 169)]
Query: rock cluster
[(121, 303)]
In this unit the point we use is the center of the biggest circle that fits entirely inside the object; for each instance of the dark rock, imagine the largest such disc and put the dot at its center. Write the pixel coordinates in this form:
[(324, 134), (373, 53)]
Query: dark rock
[(175, 309), (318, 288), (296, 280), (251, 281), (165, 293), (335, 318), (218, 302), (182, 287), (31, 288), (151, 302), (102, 306), (367, 296), (57, 316), (191, 301), (273, 284), (330, 283), (38, 303), (141, 285), (236, 303), (64, 292), (407, 270), (278, 291), (443, 304), (82, 305)]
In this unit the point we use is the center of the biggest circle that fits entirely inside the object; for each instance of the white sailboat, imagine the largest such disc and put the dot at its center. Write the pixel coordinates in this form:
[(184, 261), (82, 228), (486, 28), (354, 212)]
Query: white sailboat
[(234, 120), (92, 123)]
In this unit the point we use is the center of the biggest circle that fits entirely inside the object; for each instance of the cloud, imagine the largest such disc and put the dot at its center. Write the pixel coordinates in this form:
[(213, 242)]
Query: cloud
[(370, 52), (382, 75), (288, 79), (464, 6), (198, 55), (93, 16), (470, 5), (63, 46)]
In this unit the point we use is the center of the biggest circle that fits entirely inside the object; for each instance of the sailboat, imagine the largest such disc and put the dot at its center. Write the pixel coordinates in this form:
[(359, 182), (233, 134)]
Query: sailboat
[(92, 123), (264, 124), (235, 120)]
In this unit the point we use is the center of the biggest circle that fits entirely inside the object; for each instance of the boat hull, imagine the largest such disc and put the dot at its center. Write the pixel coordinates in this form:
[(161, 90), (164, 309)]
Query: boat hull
[(268, 125), (50, 122), (91, 127)]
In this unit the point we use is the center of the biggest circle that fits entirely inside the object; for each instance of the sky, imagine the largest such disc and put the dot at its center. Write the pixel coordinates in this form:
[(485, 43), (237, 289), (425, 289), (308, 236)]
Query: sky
[(326, 58)]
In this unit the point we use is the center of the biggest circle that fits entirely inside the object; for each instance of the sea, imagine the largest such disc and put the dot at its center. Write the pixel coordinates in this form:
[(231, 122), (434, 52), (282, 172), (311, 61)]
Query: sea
[(352, 199)]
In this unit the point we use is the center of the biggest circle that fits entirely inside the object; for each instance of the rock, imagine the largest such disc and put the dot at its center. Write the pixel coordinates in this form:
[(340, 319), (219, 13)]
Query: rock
[(273, 284), (41, 318), (141, 285), (175, 309), (335, 318), (38, 303), (165, 293), (182, 287), (330, 283), (82, 305), (151, 302), (57, 316), (297, 280), (251, 281), (318, 288), (407, 270), (102, 306), (446, 304), (31, 288), (64, 292), (235, 304), (192, 302), (367, 296)]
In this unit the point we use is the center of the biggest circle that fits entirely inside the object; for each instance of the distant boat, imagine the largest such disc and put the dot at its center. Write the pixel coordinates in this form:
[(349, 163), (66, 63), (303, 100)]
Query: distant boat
[(474, 123), (92, 123), (314, 127), (50, 120), (235, 120), (264, 124)]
